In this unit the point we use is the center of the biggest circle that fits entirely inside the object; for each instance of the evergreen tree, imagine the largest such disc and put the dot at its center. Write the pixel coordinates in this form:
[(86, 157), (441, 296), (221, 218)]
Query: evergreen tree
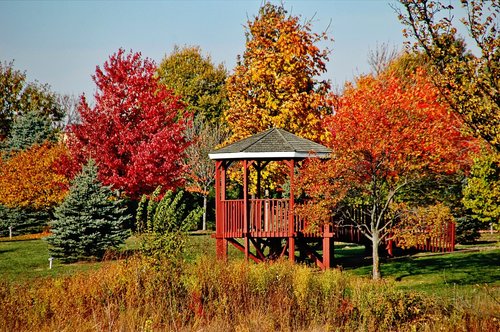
[(29, 129), (89, 221)]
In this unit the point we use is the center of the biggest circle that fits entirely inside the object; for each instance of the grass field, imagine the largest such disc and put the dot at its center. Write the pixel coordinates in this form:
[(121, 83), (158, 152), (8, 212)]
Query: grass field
[(421, 292)]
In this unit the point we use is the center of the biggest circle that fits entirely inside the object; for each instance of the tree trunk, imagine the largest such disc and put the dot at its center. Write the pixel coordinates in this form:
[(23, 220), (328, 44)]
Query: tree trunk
[(375, 255), (204, 225)]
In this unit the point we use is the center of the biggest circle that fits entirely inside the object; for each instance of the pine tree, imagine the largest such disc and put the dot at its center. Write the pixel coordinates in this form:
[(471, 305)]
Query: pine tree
[(89, 221), (29, 129)]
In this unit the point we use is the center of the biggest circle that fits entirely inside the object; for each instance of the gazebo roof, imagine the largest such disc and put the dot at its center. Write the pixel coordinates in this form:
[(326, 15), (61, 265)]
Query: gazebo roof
[(273, 143)]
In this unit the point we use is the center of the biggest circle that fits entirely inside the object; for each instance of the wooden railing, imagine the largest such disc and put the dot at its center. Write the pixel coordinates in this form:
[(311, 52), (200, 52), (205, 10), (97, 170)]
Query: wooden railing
[(270, 218)]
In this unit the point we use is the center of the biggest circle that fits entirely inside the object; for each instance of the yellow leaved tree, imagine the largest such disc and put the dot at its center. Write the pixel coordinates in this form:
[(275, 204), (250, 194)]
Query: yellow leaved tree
[(276, 82)]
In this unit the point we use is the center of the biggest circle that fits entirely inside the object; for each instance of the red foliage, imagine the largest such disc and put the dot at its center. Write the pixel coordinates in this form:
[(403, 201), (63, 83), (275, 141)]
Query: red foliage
[(385, 134), (132, 131)]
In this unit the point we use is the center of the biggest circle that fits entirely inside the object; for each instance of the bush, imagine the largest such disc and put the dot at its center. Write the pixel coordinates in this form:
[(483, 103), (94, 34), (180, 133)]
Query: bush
[(467, 230), (89, 221), (164, 224)]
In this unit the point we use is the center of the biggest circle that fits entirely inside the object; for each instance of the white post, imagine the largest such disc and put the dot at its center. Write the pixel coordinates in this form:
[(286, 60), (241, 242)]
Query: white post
[(491, 228), (50, 262), (10, 232)]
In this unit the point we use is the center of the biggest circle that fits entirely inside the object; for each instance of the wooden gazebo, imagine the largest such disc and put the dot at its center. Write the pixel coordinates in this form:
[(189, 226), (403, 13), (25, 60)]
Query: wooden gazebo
[(267, 228)]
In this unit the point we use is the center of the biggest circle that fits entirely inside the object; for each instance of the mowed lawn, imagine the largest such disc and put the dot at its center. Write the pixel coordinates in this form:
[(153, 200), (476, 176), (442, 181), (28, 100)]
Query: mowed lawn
[(462, 271)]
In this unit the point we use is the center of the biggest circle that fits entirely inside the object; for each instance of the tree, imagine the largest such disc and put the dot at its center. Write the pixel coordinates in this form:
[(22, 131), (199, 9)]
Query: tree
[(468, 83), (18, 97), (199, 82), (89, 221), (482, 192), (30, 178), (384, 137), (275, 83), (200, 170), (131, 132), (29, 129)]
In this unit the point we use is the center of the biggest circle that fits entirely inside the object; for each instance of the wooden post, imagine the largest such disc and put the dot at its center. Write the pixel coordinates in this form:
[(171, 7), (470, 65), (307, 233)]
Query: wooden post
[(291, 215), (220, 190), (245, 210), (328, 247)]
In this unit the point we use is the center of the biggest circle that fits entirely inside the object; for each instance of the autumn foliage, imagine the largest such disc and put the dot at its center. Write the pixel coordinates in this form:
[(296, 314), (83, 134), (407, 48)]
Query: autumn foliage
[(385, 135), (131, 132), (275, 84), (30, 179)]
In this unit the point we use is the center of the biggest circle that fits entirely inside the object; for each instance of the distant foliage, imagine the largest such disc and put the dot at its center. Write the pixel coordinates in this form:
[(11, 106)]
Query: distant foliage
[(467, 230), (18, 97), (164, 223), (30, 179), (482, 192), (89, 221), (23, 220), (132, 132), (197, 80), (29, 129)]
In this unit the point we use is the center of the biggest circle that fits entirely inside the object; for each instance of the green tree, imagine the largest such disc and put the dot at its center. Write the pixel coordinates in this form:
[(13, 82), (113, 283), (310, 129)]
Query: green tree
[(29, 129), (482, 192), (197, 80), (17, 97), (470, 83), (89, 221)]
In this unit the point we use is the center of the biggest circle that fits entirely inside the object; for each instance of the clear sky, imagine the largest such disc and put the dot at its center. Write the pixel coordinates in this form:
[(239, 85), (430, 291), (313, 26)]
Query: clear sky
[(61, 42)]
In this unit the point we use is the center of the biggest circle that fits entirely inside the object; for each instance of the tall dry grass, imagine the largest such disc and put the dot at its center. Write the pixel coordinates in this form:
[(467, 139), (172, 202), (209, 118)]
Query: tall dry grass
[(134, 295)]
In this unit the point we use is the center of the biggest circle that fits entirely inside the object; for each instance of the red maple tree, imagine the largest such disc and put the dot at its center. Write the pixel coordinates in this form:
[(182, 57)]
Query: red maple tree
[(132, 132), (385, 135)]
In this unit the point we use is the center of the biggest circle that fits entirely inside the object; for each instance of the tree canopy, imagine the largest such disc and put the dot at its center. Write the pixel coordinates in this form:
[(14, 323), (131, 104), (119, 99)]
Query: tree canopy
[(468, 82), (17, 97), (275, 83), (132, 132), (197, 80)]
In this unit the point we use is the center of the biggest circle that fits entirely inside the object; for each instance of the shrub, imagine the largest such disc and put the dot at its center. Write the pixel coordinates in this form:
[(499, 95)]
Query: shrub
[(164, 223), (89, 221)]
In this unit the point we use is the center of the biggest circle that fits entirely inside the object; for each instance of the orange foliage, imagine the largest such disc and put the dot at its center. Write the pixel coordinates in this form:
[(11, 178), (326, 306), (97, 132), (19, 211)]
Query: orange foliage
[(385, 134), (29, 178)]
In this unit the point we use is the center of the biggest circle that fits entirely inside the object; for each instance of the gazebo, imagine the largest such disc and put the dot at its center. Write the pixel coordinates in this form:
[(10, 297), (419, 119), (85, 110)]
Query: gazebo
[(267, 228)]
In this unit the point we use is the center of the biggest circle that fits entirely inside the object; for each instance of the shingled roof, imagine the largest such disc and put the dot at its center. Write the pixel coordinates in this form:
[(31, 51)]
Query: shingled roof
[(270, 144)]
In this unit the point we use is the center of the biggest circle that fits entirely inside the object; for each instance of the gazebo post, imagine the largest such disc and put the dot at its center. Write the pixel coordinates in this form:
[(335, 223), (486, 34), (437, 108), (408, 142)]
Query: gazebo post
[(291, 214), (221, 243), (246, 210)]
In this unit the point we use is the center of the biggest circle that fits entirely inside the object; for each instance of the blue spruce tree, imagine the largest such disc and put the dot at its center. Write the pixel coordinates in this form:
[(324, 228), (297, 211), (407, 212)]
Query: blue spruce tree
[(89, 221)]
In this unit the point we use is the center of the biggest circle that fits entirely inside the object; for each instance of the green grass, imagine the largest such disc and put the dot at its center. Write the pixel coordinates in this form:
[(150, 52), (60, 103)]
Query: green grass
[(27, 259)]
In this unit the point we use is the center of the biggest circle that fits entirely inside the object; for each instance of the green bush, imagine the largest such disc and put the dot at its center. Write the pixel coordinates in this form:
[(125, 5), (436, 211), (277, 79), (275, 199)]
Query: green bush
[(467, 230), (164, 223)]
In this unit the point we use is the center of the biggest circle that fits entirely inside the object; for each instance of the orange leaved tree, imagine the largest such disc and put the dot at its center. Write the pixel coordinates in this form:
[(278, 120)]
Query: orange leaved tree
[(29, 179), (385, 135)]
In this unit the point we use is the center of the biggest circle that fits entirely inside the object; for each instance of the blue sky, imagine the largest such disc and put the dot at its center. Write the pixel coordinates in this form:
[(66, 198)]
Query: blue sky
[(61, 42)]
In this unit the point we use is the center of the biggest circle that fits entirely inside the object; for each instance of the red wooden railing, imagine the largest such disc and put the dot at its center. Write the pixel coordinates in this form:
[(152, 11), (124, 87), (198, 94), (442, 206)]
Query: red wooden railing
[(270, 218)]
